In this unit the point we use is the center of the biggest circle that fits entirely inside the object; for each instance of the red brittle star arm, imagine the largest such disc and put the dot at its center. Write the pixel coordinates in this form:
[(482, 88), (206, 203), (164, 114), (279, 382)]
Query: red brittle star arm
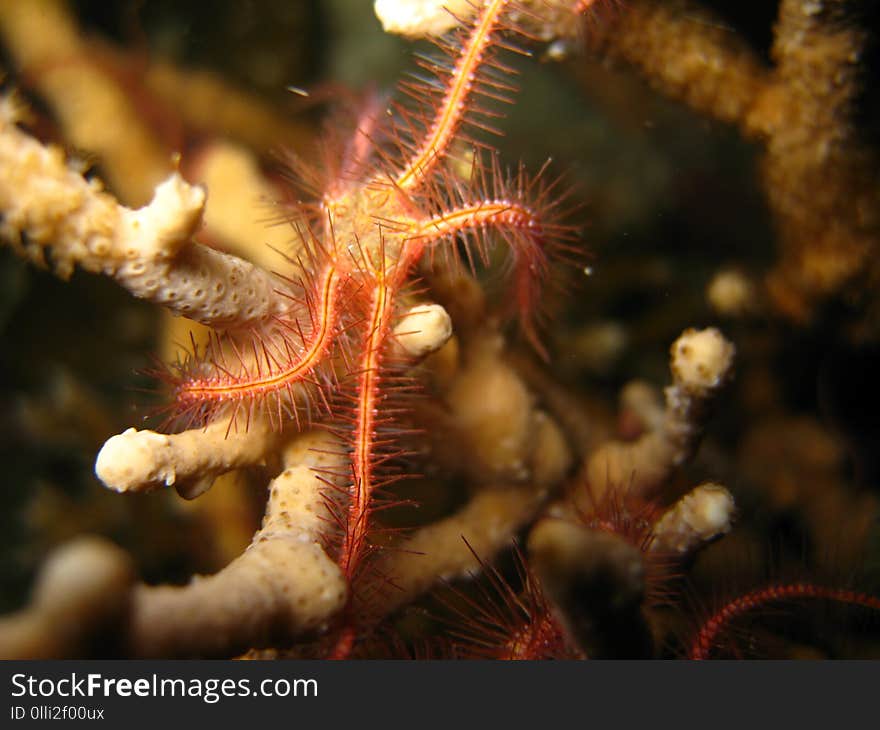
[(366, 420), (455, 102), (497, 214), (521, 228), (282, 369)]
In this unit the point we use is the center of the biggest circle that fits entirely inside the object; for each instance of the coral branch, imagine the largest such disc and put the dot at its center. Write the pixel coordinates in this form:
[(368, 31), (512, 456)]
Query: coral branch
[(689, 55), (820, 177), (140, 461), (487, 522), (701, 515), (83, 588), (702, 364), (284, 585), (48, 207), (818, 171)]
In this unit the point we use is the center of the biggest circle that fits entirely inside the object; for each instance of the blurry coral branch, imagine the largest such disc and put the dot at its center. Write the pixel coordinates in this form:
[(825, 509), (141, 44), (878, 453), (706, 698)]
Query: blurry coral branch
[(819, 172)]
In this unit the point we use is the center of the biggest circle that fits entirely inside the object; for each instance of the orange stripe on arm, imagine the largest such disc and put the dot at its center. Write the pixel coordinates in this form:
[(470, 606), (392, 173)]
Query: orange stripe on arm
[(282, 364), (455, 102)]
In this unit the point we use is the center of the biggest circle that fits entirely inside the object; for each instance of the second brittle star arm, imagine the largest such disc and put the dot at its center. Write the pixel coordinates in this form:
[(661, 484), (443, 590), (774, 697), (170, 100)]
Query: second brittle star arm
[(517, 224), (367, 419), (528, 231), (463, 82), (283, 356)]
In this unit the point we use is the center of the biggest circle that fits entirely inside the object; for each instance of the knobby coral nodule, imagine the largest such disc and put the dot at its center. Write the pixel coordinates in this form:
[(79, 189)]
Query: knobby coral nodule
[(333, 342)]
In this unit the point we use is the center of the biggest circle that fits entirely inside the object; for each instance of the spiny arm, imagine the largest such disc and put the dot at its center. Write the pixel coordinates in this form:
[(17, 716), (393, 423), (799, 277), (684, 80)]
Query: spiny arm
[(268, 363), (462, 85), (525, 213)]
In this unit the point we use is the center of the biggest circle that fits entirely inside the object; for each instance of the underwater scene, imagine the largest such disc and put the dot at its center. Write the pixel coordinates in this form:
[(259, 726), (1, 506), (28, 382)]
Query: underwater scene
[(440, 329)]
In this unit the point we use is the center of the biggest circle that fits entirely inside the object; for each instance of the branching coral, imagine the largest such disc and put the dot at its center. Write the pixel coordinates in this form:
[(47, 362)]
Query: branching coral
[(358, 361), (284, 585), (818, 169)]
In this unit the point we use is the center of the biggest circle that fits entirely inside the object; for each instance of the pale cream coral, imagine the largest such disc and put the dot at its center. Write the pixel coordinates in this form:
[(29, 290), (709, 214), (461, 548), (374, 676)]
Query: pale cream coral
[(50, 209), (493, 410), (438, 551), (424, 329), (701, 515), (418, 18), (701, 360), (701, 364), (140, 461), (284, 584), (546, 19), (83, 589)]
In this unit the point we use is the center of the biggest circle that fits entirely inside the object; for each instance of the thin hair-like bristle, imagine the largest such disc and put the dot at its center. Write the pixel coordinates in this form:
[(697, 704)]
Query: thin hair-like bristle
[(493, 620)]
